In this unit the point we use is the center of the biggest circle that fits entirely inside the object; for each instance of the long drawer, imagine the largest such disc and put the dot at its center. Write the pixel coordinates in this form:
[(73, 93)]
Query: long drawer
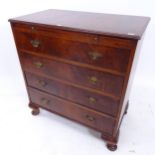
[(74, 35), (112, 58), (102, 81), (87, 98), (73, 111)]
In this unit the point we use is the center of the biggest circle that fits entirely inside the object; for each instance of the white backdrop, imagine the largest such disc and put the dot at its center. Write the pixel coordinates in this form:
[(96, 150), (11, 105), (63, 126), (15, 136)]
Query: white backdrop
[(11, 81)]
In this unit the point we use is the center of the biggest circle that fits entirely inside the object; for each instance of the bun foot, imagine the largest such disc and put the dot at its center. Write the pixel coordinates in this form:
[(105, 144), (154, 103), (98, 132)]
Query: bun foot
[(111, 142), (112, 147), (35, 111)]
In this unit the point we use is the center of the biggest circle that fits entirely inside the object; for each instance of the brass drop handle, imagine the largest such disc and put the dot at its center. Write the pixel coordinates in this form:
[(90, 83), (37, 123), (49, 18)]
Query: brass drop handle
[(35, 43), (41, 83), (38, 64), (92, 100), (92, 79), (45, 101), (90, 118), (95, 55)]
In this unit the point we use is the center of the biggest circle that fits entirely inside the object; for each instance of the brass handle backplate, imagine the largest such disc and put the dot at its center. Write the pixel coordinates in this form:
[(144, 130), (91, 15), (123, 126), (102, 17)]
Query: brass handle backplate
[(35, 43), (92, 100), (92, 79), (95, 55), (45, 101), (90, 118), (41, 83), (38, 64)]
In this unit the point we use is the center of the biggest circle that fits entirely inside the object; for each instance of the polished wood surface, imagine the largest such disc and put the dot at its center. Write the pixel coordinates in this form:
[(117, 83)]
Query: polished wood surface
[(87, 98), (98, 23), (80, 69), (94, 54), (73, 111), (105, 82)]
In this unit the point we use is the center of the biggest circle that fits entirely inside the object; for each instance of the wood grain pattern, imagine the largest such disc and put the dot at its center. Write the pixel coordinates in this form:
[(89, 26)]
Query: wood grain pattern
[(97, 55), (73, 111), (87, 98), (86, 77)]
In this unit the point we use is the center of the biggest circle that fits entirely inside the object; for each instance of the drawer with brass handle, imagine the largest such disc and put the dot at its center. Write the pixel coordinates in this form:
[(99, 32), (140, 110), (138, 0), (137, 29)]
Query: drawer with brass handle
[(86, 53), (73, 111), (89, 38), (110, 84), (80, 96)]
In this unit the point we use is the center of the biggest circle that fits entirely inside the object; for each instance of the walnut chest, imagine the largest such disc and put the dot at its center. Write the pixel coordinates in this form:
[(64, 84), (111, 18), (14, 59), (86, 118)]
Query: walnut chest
[(80, 65)]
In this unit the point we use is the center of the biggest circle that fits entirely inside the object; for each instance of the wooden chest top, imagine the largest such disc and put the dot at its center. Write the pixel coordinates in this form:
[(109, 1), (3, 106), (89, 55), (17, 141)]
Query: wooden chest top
[(98, 23)]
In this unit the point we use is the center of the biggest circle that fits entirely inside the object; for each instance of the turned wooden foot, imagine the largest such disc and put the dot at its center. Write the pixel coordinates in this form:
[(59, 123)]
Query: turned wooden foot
[(111, 142), (112, 147), (35, 111)]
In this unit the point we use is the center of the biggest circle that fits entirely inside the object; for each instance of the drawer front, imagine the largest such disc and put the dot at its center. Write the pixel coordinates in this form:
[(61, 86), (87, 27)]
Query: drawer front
[(73, 111), (111, 58), (77, 95), (74, 35), (105, 82)]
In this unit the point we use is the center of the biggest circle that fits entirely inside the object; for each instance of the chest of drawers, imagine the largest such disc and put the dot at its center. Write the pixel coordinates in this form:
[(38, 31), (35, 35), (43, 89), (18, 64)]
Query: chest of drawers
[(80, 65)]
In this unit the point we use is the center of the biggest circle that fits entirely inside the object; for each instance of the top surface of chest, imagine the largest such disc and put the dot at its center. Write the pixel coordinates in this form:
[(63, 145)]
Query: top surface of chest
[(98, 23)]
